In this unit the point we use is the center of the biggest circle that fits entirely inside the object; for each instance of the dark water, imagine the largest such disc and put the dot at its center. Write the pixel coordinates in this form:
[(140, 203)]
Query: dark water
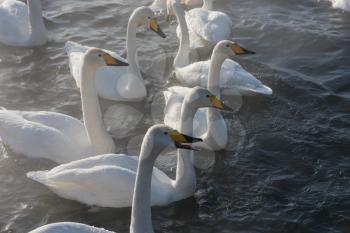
[(289, 171)]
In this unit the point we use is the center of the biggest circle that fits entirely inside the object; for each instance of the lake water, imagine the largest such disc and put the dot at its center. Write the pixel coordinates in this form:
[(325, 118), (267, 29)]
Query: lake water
[(287, 168)]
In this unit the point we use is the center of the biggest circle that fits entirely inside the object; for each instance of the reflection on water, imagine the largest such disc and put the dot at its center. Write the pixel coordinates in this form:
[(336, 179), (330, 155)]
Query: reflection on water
[(287, 167)]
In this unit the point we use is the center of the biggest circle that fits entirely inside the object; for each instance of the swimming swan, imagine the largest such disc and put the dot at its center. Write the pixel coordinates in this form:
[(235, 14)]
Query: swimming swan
[(21, 24), (209, 123), (108, 180), (156, 139), (59, 137), (232, 77), (118, 83)]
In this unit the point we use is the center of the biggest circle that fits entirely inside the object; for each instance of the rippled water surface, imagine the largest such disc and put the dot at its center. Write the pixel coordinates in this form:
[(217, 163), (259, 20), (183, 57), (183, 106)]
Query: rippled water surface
[(288, 166)]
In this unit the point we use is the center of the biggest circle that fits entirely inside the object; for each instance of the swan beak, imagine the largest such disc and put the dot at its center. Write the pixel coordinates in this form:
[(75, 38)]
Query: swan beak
[(111, 61), (182, 141), (239, 50), (218, 104), (153, 25)]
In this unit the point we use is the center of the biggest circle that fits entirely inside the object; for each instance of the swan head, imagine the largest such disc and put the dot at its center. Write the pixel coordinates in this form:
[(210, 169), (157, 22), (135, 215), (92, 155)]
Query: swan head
[(200, 97), (159, 137), (228, 49), (98, 58), (146, 16)]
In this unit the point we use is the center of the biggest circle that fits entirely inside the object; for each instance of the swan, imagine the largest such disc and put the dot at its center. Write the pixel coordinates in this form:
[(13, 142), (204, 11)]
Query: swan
[(21, 24), (209, 123), (101, 180), (59, 137), (206, 27), (232, 77), (118, 83), (156, 139)]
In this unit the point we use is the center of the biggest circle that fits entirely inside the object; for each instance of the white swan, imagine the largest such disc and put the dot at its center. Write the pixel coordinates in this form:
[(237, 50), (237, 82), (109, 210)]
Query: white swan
[(108, 180), (118, 83), (157, 139), (206, 27), (59, 137), (232, 77), (21, 24), (209, 123)]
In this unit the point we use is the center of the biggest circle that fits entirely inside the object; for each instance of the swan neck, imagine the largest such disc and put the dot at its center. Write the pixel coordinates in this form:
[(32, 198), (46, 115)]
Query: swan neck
[(36, 23), (216, 61), (131, 43), (185, 183), (183, 55), (141, 216), (99, 138)]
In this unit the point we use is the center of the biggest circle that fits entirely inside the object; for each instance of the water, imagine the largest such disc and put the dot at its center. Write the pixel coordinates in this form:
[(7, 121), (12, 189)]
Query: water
[(288, 167)]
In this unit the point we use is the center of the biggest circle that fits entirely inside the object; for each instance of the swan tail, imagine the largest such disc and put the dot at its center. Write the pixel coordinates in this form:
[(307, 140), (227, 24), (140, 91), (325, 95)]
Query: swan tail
[(264, 90), (71, 47), (38, 176)]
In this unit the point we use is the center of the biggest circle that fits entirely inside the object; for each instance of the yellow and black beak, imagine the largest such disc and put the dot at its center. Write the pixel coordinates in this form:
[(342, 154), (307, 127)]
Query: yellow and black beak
[(111, 61), (182, 141), (239, 50), (153, 25), (218, 104)]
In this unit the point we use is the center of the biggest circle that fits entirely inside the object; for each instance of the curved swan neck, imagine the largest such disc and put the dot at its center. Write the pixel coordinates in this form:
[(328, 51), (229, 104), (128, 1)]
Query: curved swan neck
[(216, 61), (38, 31), (99, 138), (183, 55), (141, 216), (185, 183), (208, 5)]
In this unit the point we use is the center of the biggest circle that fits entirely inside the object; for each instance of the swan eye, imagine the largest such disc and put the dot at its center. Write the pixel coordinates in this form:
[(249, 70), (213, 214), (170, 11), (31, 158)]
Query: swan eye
[(227, 45), (99, 55), (149, 17), (208, 96), (165, 133)]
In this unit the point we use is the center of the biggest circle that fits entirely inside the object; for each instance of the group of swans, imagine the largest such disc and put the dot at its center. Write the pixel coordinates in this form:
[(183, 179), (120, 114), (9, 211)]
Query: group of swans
[(90, 172), (156, 140)]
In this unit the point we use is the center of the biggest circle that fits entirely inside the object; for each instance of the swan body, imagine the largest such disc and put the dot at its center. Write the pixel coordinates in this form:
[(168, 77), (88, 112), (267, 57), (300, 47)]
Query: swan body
[(64, 136), (118, 83), (108, 180), (234, 79), (59, 137), (21, 24), (206, 27), (157, 139)]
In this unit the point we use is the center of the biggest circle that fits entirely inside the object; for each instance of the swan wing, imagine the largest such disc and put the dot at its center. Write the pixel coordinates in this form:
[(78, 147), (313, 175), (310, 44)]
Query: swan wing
[(211, 26), (195, 74), (63, 227), (43, 135), (174, 97), (105, 180), (234, 77)]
